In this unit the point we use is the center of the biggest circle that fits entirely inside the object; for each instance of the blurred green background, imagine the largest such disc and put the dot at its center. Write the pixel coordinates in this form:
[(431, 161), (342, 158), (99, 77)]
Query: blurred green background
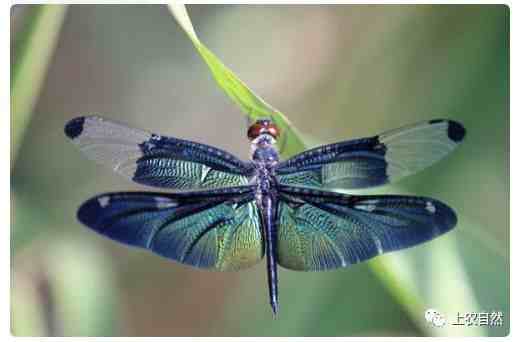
[(337, 72)]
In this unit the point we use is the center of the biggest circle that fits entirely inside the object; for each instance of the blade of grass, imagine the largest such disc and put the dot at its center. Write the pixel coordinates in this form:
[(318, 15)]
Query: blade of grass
[(31, 58), (411, 278), (250, 103), (27, 315), (62, 287), (402, 283)]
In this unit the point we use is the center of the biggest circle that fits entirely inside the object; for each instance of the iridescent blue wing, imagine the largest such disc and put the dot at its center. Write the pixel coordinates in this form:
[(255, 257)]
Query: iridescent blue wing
[(373, 161), (156, 160), (321, 230), (213, 229)]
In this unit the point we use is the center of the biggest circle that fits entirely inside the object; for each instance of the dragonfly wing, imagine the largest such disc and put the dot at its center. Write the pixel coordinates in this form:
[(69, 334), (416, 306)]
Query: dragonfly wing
[(373, 161), (321, 230), (214, 229), (156, 160)]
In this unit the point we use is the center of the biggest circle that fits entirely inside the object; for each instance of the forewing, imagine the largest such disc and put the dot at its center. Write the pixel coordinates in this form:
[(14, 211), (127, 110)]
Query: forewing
[(321, 230), (215, 229), (156, 160), (373, 161)]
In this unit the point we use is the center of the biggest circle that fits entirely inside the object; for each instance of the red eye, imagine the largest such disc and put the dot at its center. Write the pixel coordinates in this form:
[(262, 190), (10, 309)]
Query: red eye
[(254, 131), (262, 127)]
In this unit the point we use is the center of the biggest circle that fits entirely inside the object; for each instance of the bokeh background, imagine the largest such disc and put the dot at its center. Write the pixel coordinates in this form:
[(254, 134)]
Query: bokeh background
[(337, 72)]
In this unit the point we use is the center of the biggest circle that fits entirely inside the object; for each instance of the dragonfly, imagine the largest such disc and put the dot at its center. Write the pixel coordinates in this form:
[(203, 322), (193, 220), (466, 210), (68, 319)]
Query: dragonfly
[(226, 214)]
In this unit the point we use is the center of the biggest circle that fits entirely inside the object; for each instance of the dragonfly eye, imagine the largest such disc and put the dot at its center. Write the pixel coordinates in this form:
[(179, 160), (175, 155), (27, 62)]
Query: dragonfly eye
[(262, 127)]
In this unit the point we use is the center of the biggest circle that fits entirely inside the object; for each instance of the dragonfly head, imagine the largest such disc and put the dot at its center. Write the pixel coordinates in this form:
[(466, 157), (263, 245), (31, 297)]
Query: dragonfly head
[(262, 126)]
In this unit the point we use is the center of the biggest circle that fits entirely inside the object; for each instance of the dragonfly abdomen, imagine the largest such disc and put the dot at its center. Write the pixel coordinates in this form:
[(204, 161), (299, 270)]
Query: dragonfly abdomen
[(267, 201), (269, 205)]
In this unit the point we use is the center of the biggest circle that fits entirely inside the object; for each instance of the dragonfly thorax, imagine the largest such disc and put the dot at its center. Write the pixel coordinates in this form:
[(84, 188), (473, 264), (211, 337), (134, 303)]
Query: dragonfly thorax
[(263, 150)]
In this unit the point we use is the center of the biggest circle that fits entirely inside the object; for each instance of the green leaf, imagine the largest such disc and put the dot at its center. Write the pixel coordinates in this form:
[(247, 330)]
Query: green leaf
[(413, 278), (409, 277), (250, 103), (32, 54)]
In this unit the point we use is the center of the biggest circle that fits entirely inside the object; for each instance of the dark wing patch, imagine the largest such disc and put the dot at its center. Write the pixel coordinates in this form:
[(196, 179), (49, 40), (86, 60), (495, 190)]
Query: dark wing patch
[(374, 161), (320, 230), (74, 127), (214, 229), (155, 160)]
